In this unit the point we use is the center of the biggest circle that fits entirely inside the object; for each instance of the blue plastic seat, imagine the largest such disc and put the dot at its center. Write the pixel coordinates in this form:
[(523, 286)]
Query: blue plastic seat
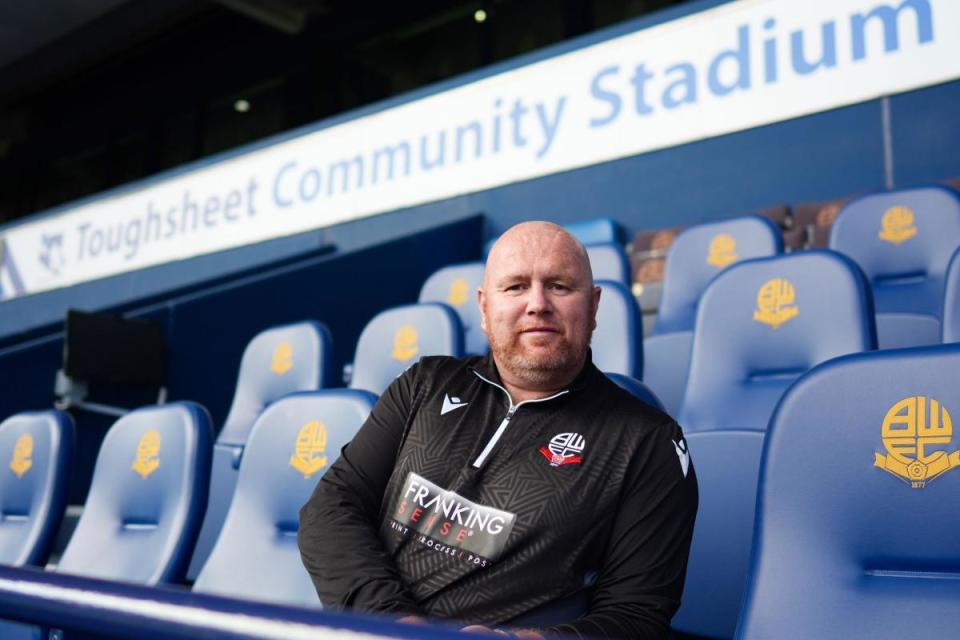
[(146, 499), (951, 301), (637, 388), (276, 362), (457, 286), (37, 449), (728, 464), (291, 446), (588, 232), (609, 262), (764, 322), (695, 257), (856, 514), (396, 338), (903, 241), (618, 339)]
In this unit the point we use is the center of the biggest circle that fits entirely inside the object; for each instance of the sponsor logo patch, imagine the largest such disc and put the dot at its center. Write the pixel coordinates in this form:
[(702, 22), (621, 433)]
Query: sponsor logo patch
[(564, 448), (447, 523)]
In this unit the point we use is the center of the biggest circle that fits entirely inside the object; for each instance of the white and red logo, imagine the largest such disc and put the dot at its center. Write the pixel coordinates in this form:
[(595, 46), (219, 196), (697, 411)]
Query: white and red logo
[(564, 448)]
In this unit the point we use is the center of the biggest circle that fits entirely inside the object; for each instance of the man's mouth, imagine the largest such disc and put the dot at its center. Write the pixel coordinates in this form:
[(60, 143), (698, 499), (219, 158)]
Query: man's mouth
[(540, 330)]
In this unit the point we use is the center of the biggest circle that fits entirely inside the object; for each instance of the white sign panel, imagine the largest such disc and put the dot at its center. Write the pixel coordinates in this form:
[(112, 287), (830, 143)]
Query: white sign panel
[(727, 69)]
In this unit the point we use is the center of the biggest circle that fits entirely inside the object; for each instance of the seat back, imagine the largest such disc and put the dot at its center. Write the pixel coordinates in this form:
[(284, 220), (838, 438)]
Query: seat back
[(37, 448), (700, 253), (618, 339), (396, 338), (293, 443), (951, 301), (609, 262), (637, 388), (457, 286), (588, 232), (763, 323), (856, 531), (276, 362), (666, 366), (903, 241), (728, 463), (146, 498)]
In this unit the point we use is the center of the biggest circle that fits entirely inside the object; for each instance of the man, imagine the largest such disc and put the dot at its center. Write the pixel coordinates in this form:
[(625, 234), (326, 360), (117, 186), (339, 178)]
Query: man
[(515, 490)]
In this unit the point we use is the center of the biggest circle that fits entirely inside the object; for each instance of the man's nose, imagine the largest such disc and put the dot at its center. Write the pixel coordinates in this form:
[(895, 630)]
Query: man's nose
[(537, 300)]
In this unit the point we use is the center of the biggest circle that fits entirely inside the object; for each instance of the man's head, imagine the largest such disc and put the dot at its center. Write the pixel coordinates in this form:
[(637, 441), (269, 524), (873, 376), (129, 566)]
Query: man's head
[(538, 305)]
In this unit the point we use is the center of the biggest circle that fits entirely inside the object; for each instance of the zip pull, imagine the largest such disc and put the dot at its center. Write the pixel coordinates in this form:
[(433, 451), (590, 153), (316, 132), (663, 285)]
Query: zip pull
[(496, 436)]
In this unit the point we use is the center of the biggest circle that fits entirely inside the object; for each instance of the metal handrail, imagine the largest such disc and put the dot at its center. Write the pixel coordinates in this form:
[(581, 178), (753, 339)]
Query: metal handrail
[(120, 610)]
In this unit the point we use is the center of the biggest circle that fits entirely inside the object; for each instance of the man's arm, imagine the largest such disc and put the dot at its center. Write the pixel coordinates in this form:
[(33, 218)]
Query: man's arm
[(338, 536), (641, 581)]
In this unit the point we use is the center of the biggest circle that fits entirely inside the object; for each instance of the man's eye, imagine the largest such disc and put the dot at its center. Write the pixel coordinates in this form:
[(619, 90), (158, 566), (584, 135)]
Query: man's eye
[(513, 287), (556, 286)]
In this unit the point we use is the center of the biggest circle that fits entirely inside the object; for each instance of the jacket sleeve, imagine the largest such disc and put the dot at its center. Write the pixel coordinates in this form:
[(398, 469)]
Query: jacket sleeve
[(641, 580), (338, 536)]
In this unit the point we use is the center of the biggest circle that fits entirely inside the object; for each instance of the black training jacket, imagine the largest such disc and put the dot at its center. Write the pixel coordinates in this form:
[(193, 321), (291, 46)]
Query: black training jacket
[(451, 502)]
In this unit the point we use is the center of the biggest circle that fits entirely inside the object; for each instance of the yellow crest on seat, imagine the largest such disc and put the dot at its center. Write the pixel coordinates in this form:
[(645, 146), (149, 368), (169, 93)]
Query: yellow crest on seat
[(310, 445), (897, 225), (405, 343), (723, 250), (22, 455), (282, 358), (459, 292), (148, 454), (911, 432), (776, 303)]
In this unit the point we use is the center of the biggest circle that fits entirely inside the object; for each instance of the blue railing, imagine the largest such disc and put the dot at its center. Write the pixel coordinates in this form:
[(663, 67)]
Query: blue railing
[(118, 610)]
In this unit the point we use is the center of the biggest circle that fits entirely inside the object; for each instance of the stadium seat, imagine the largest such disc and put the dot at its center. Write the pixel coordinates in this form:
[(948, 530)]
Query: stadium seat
[(903, 241), (816, 219), (728, 463), (277, 361), (609, 262), (292, 444), (695, 257), (763, 323), (637, 388), (618, 339), (146, 498), (396, 338), (588, 232), (857, 523), (38, 449), (951, 301), (457, 286)]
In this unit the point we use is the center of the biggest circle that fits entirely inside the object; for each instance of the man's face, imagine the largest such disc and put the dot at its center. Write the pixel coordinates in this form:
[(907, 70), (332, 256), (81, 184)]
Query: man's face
[(538, 304)]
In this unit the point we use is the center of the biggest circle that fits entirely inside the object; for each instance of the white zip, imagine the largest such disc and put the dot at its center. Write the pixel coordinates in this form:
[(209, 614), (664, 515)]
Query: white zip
[(503, 424)]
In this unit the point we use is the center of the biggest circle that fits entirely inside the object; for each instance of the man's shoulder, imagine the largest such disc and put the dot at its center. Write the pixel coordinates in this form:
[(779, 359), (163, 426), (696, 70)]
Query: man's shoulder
[(622, 407), (433, 367)]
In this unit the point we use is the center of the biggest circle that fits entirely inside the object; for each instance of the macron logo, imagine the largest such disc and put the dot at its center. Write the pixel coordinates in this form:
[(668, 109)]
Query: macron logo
[(683, 455), (451, 404)]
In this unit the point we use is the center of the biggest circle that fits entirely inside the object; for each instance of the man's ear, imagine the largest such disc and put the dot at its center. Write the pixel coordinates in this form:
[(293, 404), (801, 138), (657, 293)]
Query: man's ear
[(481, 296), (595, 304)]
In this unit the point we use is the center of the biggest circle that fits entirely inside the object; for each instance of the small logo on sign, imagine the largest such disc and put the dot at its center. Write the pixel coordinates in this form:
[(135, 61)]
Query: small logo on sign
[(565, 448), (51, 255)]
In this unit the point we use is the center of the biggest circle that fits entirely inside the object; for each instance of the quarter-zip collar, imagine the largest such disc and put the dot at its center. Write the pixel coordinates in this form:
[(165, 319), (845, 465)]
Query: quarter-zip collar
[(487, 371)]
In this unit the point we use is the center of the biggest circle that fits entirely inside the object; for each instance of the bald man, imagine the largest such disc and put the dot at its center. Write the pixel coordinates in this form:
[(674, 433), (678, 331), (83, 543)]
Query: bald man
[(521, 492)]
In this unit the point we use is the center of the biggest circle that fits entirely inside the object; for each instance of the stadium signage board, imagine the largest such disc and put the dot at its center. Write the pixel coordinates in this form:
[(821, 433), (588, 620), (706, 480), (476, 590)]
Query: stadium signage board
[(726, 69)]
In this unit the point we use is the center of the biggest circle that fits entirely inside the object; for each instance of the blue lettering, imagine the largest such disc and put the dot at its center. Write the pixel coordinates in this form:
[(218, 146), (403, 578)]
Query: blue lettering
[(549, 126), (828, 50), (740, 57), (477, 131), (610, 97), (770, 54), (516, 115), (685, 85), (640, 78), (890, 19), (282, 202), (425, 162), (310, 184)]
